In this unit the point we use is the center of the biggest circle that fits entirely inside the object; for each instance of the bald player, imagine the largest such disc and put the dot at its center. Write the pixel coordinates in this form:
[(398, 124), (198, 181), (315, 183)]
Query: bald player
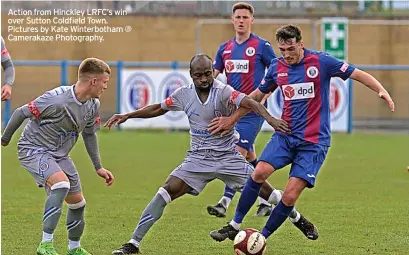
[(210, 157)]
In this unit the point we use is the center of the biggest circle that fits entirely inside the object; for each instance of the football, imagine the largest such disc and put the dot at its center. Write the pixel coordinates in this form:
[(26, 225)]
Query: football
[(249, 242)]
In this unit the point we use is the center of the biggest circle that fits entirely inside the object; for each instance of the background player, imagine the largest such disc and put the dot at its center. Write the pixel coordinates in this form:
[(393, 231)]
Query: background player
[(9, 72), (244, 60), (210, 157), (55, 120), (304, 78)]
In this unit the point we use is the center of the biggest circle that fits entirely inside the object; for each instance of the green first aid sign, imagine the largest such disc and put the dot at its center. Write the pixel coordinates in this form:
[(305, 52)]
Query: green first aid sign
[(334, 35)]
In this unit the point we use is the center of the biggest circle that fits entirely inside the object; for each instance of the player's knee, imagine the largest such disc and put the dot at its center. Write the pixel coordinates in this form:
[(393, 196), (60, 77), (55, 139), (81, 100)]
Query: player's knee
[(165, 195), (262, 172), (290, 197), (56, 177), (78, 205), (61, 185)]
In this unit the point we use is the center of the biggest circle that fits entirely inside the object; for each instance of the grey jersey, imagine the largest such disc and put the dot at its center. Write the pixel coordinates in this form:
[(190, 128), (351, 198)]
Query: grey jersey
[(57, 118), (222, 101), (4, 53)]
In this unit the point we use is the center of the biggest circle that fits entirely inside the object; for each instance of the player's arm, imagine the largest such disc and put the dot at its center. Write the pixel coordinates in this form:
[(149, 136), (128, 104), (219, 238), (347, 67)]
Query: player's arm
[(222, 124), (372, 83), (41, 107), (150, 111), (277, 124), (9, 72), (17, 118), (90, 138)]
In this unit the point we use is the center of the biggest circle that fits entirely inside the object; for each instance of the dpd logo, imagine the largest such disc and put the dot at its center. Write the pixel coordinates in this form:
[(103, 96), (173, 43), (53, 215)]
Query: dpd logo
[(168, 85), (138, 91)]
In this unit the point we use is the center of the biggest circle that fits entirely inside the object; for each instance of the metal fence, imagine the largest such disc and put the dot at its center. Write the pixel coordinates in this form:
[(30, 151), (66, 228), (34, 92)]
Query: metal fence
[(223, 8), (120, 65)]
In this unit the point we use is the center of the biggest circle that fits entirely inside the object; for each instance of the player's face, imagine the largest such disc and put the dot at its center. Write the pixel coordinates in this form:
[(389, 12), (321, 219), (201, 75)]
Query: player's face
[(202, 74), (99, 83), (291, 50), (242, 21)]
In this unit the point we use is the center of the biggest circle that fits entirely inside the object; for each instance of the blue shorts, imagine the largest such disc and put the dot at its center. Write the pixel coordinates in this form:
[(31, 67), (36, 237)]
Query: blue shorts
[(306, 158), (248, 127)]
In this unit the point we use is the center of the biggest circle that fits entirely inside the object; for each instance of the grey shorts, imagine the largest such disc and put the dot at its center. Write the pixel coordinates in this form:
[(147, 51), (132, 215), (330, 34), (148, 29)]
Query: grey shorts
[(42, 165), (200, 168)]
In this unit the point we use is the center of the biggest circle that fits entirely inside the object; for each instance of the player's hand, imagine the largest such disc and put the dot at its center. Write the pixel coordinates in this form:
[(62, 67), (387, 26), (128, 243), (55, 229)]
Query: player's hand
[(116, 120), (4, 143), (221, 124), (107, 175), (279, 125), (5, 92), (385, 96)]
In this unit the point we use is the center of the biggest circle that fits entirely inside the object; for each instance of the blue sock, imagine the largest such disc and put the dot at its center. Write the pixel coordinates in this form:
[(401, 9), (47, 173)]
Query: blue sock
[(277, 217), (254, 163), (247, 199), (229, 192)]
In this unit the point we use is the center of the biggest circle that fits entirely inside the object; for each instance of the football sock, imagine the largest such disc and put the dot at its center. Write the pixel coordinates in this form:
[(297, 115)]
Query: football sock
[(227, 196), (278, 215), (75, 223), (151, 214), (247, 199), (52, 210)]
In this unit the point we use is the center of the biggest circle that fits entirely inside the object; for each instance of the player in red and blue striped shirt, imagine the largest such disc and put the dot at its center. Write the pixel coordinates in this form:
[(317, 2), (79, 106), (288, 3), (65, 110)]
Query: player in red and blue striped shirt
[(304, 78), (244, 59)]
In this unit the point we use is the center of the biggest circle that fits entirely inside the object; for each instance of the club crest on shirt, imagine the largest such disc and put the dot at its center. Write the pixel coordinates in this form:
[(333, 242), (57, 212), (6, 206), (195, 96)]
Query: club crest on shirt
[(250, 51), (89, 115), (312, 72)]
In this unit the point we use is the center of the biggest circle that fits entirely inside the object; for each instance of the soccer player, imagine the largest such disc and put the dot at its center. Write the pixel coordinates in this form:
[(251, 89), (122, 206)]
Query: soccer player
[(244, 60), (210, 157), (9, 72), (304, 78), (55, 121)]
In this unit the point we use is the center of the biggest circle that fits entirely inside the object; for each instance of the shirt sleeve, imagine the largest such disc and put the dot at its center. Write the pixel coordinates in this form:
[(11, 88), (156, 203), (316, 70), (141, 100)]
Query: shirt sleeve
[(337, 68), (174, 102), (232, 96), (268, 83), (94, 124), (4, 53), (41, 107), (218, 61), (268, 54)]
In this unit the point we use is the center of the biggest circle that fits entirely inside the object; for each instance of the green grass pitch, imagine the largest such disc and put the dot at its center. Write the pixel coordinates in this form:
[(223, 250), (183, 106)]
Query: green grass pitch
[(359, 204)]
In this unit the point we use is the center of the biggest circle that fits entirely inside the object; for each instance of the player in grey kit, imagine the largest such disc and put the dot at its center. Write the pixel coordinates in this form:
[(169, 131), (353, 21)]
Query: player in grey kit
[(210, 157), (9, 73), (55, 121)]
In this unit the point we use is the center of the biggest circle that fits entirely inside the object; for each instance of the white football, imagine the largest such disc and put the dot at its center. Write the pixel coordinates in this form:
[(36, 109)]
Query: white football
[(249, 242)]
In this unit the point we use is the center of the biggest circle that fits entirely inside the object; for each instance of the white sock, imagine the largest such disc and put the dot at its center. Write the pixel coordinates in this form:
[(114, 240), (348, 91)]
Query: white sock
[(134, 242), (225, 201), (235, 225), (263, 201), (275, 197), (47, 237), (73, 244), (296, 219)]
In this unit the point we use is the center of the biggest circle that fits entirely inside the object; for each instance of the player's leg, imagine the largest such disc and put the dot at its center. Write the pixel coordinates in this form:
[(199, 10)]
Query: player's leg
[(264, 207), (307, 162), (219, 210), (48, 174), (75, 222), (180, 182), (277, 152)]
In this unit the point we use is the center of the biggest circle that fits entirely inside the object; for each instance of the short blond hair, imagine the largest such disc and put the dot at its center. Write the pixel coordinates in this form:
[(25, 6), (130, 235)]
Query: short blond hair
[(93, 66), (242, 5)]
